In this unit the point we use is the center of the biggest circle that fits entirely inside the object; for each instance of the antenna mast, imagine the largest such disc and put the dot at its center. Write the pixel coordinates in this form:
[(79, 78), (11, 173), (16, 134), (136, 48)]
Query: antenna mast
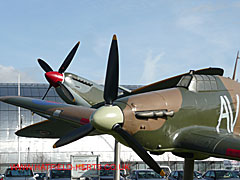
[(235, 67)]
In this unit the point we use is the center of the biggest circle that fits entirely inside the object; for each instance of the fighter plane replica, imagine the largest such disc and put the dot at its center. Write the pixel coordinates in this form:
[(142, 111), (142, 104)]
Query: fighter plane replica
[(194, 115), (70, 87)]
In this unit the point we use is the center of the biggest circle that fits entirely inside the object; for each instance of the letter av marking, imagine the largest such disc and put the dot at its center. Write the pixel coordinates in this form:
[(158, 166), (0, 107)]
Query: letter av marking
[(227, 113)]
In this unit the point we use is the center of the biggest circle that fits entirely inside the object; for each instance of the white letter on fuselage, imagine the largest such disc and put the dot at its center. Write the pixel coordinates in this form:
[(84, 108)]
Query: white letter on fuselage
[(225, 111)]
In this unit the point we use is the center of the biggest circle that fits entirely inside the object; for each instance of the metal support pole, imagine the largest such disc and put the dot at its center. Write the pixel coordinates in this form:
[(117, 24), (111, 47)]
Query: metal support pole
[(117, 160), (19, 122), (188, 169), (19, 154)]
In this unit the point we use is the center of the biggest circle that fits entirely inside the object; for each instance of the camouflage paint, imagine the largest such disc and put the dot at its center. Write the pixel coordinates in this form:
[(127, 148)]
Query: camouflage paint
[(192, 129), (199, 110)]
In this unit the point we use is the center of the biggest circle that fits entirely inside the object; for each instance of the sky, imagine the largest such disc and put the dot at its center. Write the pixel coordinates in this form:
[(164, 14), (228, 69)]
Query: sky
[(157, 39)]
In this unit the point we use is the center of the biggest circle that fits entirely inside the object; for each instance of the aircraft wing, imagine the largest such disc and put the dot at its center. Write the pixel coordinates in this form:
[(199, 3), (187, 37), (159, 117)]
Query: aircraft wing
[(172, 82), (209, 141), (47, 129), (60, 116)]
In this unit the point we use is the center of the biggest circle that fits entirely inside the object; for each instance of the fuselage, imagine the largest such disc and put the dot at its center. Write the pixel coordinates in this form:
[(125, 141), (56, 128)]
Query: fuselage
[(85, 92), (198, 108), (204, 101)]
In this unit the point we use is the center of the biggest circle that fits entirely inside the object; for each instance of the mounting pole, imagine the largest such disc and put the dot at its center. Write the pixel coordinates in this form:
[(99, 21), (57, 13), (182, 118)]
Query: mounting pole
[(188, 169), (117, 160), (235, 67), (19, 123)]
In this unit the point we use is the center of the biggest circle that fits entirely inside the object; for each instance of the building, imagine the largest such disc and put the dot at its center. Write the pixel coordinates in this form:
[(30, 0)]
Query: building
[(36, 150)]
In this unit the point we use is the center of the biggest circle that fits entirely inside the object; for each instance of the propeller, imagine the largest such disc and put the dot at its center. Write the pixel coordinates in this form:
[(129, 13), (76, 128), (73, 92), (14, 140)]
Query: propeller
[(44, 65), (138, 149), (74, 135), (49, 87), (112, 75), (109, 118), (66, 92), (55, 78)]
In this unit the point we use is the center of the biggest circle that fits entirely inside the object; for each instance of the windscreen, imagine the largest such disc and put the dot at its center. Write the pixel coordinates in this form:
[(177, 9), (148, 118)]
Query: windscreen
[(18, 173), (148, 175), (60, 174)]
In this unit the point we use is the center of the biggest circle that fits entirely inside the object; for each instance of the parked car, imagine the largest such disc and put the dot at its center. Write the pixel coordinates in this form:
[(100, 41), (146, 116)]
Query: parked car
[(178, 175), (59, 174), (198, 174), (144, 174), (40, 176), (236, 172), (220, 175), (106, 173), (18, 174)]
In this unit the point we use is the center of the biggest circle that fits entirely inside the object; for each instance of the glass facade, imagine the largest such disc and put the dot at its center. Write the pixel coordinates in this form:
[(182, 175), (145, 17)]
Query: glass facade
[(37, 150), (9, 124)]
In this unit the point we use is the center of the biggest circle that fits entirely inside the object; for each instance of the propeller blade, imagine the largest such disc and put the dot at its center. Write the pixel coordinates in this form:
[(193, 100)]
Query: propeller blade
[(141, 152), (68, 59), (47, 91), (74, 135), (44, 65), (66, 92), (112, 75)]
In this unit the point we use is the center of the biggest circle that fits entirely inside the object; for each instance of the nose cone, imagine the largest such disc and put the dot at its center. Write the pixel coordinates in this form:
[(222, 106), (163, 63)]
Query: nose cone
[(53, 77), (106, 117)]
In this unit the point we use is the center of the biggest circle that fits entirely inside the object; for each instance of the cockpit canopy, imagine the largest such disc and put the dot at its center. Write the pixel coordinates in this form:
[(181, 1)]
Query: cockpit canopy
[(198, 83)]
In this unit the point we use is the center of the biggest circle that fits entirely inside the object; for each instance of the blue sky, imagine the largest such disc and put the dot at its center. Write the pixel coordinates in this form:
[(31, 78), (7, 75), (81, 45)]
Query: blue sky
[(157, 39)]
